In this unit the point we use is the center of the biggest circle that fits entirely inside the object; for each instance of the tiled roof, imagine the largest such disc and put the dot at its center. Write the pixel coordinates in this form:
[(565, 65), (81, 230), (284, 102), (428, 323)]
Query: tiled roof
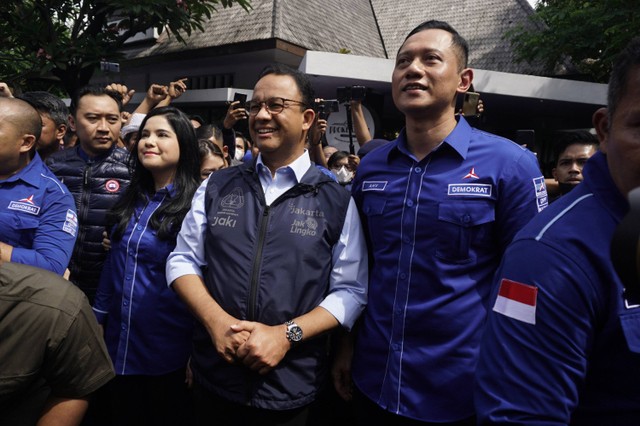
[(482, 23), (330, 25)]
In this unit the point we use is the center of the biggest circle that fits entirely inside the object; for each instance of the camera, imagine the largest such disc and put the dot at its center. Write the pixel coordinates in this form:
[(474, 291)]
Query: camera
[(326, 107), (351, 93)]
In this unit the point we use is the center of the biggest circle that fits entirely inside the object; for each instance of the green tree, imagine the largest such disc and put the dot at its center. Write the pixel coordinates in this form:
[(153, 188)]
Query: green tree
[(586, 35), (67, 39)]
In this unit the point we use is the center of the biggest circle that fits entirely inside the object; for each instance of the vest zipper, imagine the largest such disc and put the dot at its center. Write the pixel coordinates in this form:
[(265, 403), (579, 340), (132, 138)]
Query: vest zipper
[(262, 232)]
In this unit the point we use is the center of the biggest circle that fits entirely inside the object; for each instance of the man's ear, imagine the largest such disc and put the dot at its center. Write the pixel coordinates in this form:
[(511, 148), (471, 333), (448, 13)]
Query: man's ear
[(601, 125), (72, 123), (553, 173), (466, 78), (28, 141), (61, 130), (308, 116)]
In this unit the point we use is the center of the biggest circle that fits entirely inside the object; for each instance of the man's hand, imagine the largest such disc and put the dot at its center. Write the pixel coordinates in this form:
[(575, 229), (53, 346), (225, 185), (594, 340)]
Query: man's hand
[(106, 242), (265, 347), (123, 90), (5, 91), (341, 368), (225, 339), (318, 129), (354, 162), (156, 93), (177, 88), (5, 252), (233, 115)]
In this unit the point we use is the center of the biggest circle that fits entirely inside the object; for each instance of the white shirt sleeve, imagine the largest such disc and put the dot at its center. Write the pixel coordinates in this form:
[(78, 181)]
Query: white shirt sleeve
[(188, 256), (349, 280)]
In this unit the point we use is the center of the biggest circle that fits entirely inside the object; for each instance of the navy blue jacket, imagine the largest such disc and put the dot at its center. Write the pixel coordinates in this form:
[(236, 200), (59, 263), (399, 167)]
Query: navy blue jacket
[(96, 185)]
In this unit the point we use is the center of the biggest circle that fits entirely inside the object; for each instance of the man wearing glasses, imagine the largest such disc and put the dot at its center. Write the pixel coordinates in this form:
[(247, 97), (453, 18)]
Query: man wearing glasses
[(285, 264)]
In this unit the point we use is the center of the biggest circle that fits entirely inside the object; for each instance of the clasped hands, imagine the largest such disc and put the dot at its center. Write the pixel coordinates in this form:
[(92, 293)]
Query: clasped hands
[(258, 346)]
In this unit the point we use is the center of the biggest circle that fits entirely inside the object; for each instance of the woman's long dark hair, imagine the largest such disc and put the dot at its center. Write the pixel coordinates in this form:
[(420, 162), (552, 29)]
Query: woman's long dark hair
[(167, 219)]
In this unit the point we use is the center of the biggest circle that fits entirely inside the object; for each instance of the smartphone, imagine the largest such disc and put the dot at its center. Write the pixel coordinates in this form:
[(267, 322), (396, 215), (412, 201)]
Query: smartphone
[(526, 138), (239, 97), (470, 104)]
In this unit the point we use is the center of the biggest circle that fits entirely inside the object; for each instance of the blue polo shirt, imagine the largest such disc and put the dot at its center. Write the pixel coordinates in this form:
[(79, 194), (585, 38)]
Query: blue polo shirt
[(569, 353), (436, 230), (148, 328), (38, 218)]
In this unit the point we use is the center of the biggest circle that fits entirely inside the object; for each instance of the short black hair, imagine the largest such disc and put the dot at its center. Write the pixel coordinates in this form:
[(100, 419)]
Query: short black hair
[(459, 43), (197, 118), (301, 79), (94, 90), (627, 59), (564, 139), (335, 157), (245, 141), (24, 116), (46, 103), (207, 131)]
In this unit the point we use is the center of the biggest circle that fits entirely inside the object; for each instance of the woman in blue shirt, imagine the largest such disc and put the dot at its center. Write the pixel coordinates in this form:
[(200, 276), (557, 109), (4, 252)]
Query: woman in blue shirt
[(147, 327)]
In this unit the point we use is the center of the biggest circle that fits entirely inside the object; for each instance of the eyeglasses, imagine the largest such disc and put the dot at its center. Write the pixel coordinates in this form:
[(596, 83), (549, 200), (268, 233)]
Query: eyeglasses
[(273, 105)]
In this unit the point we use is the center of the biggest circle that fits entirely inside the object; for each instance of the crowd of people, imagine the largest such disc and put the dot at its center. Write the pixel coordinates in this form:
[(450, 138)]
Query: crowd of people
[(156, 269)]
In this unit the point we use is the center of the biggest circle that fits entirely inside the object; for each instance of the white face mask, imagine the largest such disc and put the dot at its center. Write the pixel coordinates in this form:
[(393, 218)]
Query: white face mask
[(239, 154), (343, 175)]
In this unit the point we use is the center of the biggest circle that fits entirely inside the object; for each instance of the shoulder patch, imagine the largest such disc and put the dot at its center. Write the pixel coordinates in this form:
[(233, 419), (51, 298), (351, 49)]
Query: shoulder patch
[(542, 198), (70, 225), (517, 300)]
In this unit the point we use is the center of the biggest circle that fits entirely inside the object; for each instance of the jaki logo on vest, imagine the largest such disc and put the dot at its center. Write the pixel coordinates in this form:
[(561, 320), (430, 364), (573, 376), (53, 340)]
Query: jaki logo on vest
[(224, 221)]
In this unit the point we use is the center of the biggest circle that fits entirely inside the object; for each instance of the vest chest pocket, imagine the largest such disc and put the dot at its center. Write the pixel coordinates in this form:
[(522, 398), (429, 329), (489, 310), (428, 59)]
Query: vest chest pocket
[(462, 224)]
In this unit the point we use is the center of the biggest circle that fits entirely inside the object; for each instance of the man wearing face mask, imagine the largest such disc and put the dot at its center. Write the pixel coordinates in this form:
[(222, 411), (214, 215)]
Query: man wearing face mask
[(343, 166), (242, 146)]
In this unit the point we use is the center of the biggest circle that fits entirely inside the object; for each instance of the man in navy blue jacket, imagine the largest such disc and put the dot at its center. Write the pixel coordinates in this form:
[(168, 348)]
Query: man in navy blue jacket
[(96, 173), (270, 258), (562, 344)]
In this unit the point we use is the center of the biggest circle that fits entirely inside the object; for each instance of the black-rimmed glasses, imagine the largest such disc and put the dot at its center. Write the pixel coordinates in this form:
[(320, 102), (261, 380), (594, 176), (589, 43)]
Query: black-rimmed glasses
[(273, 105)]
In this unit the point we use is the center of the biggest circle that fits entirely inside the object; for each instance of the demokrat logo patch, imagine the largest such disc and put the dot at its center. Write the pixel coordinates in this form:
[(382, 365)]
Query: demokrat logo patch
[(26, 205), (469, 189)]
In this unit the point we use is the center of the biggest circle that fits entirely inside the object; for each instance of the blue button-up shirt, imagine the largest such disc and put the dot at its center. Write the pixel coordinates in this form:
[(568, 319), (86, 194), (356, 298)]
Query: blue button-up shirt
[(38, 218), (148, 328), (571, 353), (437, 228)]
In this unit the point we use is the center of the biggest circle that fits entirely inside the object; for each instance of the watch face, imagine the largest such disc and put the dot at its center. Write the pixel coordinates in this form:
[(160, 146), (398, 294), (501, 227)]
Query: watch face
[(294, 334)]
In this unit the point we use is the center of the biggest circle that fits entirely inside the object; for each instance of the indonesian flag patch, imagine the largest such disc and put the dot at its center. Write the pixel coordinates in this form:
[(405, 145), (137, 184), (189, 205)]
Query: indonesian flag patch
[(517, 301)]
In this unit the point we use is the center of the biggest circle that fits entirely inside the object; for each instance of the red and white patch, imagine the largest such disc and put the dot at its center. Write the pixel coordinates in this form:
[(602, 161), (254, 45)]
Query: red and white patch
[(517, 300), (112, 185), (28, 200), (472, 174)]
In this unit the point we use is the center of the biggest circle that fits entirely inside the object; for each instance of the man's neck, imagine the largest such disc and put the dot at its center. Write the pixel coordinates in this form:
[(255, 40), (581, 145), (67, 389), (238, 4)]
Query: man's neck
[(24, 161), (274, 161), (92, 154), (424, 134)]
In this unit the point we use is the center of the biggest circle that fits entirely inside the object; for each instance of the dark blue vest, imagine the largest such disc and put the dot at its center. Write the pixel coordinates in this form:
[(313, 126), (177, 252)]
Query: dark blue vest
[(269, 264)]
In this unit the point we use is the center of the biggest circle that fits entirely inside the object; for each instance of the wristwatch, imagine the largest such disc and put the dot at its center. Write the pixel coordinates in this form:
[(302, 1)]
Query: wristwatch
[(294, 332)]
